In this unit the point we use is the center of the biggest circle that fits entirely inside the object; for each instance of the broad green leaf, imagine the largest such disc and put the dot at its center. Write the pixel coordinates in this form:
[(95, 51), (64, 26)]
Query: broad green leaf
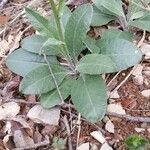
[(96, 64), (100, 18), (77, 27), (122, 52), (40, 80), (39, 22), (142, 23), (136, 9), (114, 33), (90, 44), (89, 97), (65, 14), (22, 62), (39, 45), (33, 43), (52, 98), (114, 6)]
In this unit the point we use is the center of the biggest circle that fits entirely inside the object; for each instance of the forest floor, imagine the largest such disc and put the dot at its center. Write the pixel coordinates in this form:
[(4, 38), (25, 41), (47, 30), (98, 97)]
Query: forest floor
[(22, 130)]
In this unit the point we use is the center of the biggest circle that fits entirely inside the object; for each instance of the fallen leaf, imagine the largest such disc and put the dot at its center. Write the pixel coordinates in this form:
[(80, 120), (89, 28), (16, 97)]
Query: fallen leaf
[(49, 129), (84, 146), (110, 127), (138, 130), (98, 136), (146, 93), (116, 108), (105, 146), (129, 103), (4, 20), (47, 116), (21, 139), (138, 70), (9, 110), (11, 86), (145, 48)]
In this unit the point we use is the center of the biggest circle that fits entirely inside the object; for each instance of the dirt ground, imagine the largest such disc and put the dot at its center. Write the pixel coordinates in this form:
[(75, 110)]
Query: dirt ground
[(14, 27)]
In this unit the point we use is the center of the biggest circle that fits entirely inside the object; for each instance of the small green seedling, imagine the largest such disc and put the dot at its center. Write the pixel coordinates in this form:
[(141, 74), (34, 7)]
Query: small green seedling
[(58, 143), (52, 66), (136, 142)]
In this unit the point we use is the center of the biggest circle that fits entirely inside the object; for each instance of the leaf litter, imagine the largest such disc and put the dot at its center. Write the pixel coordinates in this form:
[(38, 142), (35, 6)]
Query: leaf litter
[(27, 129)]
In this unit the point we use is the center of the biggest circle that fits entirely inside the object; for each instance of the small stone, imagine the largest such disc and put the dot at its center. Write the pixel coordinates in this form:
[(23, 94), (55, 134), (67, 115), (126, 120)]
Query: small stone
[(146, 93)]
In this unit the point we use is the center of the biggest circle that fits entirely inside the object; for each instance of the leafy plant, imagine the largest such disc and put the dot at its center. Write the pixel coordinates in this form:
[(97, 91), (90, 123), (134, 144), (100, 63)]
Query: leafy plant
[(52, 67), (58, 143), (138, 13), (136, 142)]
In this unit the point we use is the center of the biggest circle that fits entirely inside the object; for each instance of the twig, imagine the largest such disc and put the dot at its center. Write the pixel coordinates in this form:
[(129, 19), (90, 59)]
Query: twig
[(35, 146), (79, 130), (68, 132), (2, 3), (18, 101), (130, 118), (126, 78), (142, 39)]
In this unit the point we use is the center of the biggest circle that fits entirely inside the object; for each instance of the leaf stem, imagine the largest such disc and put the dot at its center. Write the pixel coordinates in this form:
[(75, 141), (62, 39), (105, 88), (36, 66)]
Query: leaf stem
[(59, 29)]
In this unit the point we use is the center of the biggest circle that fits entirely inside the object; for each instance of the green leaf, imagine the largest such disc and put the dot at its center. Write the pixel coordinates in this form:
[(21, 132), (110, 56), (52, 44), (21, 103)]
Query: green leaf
[(122, 52), (39, 22), (33, 43), (114, 33), (39, 45), (100, 18), (40, 80), (77, 27), (89, 97), (142, 23), (52, 98), (114, 6), (22, 62), (90, 44), (136, 9), (136, 142), (65, 14), (96, 64)]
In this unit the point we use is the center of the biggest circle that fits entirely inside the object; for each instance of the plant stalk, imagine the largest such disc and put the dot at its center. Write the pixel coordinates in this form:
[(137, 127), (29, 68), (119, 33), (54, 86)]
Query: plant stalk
[(61, 37)]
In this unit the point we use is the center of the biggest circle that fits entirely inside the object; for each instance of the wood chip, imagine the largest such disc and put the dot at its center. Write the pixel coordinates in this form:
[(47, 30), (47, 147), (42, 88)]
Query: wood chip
[(47, 116), (9, 110), (98, 136), (110, 127), (105, 146), (84, 146), (116, 108)]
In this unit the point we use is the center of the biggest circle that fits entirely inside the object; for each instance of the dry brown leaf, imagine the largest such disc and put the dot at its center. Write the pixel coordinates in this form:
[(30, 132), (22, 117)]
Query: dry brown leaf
[(21, 139), (9, 110), (129, 103), (4, 20), (110, 127), (47, 116), (116, 108)]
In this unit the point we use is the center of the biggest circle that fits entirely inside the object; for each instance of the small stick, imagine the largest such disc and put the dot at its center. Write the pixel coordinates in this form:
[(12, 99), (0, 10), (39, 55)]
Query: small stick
[(65, 120), (130, 118), (79, 130)]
